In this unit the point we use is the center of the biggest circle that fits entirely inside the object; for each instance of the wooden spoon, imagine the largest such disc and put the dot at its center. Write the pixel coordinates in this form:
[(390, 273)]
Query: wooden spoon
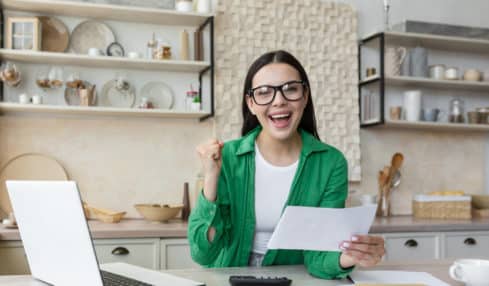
[(396, 163), (382, 180)]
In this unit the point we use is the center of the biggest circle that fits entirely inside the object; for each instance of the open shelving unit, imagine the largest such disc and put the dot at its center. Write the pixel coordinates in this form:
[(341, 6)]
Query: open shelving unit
[(16, 108), (118, 13), (108, 12), (376, 112)]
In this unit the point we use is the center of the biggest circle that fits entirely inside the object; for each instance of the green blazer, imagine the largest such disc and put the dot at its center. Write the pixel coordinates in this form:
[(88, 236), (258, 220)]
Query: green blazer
[(321, 180)]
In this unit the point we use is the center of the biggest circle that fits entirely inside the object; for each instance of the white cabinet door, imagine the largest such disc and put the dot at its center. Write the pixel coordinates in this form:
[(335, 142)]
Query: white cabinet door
[(412, 246), (175, 254), (466, 245), (143, 252), (12, 258)]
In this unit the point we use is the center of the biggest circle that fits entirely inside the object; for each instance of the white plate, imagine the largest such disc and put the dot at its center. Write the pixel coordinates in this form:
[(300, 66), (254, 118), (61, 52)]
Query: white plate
[(113, 97), (159, 93), (91, 34)]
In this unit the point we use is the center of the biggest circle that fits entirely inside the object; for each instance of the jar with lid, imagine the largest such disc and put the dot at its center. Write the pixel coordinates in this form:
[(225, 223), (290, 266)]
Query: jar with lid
[(456, 111), (151, 48), (163, 52)]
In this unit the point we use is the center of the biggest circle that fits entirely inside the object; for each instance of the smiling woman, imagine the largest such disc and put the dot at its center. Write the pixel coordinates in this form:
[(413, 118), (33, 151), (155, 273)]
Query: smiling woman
[(278, 161)]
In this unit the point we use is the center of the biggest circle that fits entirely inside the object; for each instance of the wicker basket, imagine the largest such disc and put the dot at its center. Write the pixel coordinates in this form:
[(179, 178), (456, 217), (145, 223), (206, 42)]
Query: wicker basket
[(442, 207)]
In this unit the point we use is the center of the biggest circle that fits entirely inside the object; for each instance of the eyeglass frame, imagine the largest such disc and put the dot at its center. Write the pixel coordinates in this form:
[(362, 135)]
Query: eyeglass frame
[(275, 88)]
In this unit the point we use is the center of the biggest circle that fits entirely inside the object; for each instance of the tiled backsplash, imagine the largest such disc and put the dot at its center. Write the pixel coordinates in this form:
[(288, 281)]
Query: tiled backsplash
[(432, 161), (116, 162)]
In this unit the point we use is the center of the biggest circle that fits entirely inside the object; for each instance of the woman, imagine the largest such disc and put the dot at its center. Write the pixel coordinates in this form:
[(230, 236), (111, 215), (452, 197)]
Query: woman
[(279, 161)]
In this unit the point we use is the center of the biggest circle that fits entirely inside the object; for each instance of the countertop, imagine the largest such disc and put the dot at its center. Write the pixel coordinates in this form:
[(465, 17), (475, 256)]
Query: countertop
[(137, 228), (411, 224)]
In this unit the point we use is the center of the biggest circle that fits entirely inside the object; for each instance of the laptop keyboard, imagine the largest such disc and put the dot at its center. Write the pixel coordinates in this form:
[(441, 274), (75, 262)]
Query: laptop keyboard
[(111, 279)]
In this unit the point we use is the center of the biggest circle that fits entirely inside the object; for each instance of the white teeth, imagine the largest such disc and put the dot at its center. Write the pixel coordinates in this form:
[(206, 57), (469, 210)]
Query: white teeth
[(280, 116)]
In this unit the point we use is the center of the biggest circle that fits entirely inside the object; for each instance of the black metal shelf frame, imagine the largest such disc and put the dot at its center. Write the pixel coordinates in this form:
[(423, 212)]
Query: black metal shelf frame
[(210, 22), (381, 79)]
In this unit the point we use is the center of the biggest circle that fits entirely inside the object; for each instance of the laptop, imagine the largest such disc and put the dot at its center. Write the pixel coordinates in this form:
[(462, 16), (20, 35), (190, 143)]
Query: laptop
[(58, 244)]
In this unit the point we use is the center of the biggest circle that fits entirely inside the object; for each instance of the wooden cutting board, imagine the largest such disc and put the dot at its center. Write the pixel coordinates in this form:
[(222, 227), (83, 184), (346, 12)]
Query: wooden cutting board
[(28, 166)]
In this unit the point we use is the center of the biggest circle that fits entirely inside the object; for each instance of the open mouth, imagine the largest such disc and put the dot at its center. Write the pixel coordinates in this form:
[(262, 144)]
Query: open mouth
[(280, 120)]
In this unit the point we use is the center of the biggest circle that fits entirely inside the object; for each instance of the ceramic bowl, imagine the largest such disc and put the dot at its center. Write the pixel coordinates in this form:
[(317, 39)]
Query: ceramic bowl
[(158, 213)]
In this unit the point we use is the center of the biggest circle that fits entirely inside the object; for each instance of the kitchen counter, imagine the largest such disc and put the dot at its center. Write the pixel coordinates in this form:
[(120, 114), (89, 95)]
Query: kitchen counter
[(128, 228), (136, 228), (411, 224)]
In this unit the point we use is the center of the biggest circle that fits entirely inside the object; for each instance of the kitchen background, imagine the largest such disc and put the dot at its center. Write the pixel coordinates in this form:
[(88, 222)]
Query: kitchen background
[(121, 161)]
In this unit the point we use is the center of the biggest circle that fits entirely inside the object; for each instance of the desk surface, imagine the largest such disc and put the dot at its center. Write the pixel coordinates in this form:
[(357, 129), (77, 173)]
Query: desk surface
[(299, 275)]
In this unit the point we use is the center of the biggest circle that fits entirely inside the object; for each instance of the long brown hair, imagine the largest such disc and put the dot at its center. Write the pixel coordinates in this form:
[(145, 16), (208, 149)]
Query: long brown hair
[(250, 122)]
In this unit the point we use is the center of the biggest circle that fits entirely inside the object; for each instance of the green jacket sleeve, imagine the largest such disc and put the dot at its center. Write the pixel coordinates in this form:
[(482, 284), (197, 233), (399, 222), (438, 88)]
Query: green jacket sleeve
[(326, 264), (205, 215)]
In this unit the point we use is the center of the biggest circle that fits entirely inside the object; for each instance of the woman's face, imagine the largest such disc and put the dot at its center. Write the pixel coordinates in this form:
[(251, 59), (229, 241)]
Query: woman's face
[(281, 117)]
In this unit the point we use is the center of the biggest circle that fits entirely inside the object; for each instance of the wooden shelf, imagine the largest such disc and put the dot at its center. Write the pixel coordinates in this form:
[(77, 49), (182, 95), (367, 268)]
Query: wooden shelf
[(107, 12), (101, 61), (11, 108), (434, 83), (446, 43), (435, 126)]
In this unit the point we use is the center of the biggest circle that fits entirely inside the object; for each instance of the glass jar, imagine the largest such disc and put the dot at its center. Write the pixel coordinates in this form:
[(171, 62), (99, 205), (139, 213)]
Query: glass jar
[(456, 111), (163, 51)]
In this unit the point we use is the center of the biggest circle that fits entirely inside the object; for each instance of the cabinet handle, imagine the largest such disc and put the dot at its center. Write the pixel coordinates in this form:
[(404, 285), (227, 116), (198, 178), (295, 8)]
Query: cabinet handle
[(411, 243), (120, 251), (470, 241)]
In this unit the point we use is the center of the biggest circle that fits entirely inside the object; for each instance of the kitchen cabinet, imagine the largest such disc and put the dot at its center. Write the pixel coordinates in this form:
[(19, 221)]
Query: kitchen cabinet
[(142, 251), (412, 246), (381, 91), (426, 246), (204, 23), (12, 258), (467, 245), (175, 254), (153, 253)]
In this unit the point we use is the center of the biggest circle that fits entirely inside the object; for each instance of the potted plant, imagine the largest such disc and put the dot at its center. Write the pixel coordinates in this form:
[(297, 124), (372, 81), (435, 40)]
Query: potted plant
[(196, 103)]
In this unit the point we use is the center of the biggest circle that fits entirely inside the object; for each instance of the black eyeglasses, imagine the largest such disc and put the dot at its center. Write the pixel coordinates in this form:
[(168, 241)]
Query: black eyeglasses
[(265, 94)]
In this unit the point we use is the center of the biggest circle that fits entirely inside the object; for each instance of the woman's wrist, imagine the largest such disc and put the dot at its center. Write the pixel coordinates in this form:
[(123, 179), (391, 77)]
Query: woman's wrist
[(346, 261), (210, 188)]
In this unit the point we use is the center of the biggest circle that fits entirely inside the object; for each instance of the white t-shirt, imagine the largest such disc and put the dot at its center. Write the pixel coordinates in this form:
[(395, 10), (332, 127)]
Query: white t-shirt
[(272, 187)]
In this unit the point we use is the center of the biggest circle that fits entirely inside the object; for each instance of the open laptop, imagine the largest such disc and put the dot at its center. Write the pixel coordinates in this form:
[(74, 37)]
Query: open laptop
[(58, 244)]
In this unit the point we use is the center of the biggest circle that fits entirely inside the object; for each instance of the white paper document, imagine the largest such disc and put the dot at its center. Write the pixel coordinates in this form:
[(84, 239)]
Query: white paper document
[(323, 229), (396, 277)]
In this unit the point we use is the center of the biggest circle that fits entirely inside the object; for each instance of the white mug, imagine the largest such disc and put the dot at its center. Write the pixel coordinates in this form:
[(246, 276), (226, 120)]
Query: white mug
[(36, 99), (94, 52), (393, 58), (23, 98), (472, 272), (412, 105), (204, 6)]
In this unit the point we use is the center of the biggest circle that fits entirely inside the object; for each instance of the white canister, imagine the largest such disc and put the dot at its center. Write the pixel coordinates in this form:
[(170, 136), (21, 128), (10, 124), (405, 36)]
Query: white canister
[(23, 98), (437, 71), (183, 5), (36, 99), (204, 6), (412, 105), (451, 73)]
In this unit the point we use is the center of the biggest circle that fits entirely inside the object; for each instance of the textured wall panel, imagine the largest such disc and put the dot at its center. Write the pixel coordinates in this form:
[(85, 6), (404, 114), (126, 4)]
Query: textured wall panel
[(321, 35)]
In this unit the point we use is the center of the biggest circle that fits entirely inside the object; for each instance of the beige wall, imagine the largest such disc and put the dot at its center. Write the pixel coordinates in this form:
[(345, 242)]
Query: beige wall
[(116, 161), (433, 161)]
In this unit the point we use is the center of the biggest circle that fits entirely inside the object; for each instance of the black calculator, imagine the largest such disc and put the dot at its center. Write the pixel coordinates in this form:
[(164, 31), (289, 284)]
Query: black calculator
[(248, 280)]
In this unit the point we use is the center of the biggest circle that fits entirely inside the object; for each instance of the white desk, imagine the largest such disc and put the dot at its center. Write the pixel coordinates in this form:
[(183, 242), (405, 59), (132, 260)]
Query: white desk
[(299, 275)]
